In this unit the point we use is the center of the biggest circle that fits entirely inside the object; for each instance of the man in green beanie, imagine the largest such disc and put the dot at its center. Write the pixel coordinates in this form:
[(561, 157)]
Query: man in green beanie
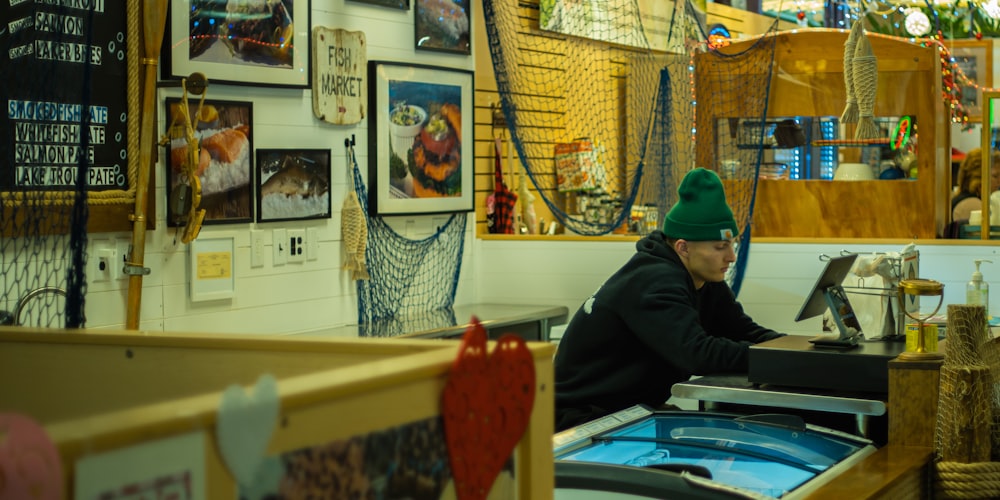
[(666, 315)]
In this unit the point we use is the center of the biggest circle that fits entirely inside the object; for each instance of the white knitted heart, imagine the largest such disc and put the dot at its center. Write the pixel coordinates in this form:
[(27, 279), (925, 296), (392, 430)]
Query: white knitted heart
[(244, 426)]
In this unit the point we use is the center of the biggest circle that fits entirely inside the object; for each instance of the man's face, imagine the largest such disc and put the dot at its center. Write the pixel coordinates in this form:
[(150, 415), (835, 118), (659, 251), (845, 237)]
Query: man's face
[(707, 261)]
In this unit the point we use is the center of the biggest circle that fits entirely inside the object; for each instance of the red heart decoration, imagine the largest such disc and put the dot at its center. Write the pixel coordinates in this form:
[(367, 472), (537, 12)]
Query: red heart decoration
[(29, 462), (486, 407)]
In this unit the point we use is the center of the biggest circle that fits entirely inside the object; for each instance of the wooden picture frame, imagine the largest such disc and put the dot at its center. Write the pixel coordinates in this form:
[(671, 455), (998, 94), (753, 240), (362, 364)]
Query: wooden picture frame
[(420, 139), (268, 47), (293, 184), (443, 26), (975, 60), (224, 130)]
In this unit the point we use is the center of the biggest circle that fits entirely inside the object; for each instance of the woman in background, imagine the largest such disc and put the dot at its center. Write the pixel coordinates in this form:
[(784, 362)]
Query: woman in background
[(966, 196)]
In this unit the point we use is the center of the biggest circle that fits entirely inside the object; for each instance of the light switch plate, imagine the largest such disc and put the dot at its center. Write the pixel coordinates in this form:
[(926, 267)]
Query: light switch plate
[(280, 238), (312, 243), (256, 248)]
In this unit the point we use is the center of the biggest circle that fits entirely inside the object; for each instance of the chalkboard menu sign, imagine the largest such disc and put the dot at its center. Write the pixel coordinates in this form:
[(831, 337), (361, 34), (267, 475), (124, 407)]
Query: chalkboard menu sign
[(65, 75)]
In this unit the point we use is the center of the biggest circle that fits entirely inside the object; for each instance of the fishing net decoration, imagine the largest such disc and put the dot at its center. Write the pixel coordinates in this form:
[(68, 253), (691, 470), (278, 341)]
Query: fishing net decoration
[(635, 105), (412, 283)]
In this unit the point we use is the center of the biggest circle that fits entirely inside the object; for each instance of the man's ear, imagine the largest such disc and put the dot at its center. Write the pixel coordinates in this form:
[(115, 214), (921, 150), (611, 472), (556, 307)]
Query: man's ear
[(681, 247)]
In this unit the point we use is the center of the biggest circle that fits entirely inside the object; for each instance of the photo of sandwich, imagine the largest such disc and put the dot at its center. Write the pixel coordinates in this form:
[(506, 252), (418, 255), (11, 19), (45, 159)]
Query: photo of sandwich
[(222, 134), (425, 140), (421, 145)]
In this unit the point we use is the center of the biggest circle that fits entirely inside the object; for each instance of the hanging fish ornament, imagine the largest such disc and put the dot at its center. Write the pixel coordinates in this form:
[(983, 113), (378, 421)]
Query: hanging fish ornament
[(865, 69), (850, 114), (354, 228)]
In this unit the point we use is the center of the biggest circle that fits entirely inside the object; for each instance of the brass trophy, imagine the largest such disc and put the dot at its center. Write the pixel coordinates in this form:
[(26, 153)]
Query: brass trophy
[(920, 287)]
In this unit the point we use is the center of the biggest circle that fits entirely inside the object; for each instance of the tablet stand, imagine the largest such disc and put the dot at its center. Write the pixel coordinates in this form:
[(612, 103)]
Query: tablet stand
[(827, 293), (843, 316)]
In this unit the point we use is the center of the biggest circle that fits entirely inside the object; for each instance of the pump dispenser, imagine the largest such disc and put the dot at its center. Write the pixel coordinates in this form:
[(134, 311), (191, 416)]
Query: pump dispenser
[(977, 292)]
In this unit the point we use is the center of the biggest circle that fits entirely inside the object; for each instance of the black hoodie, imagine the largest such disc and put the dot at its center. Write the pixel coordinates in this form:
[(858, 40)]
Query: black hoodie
[(644, 330)]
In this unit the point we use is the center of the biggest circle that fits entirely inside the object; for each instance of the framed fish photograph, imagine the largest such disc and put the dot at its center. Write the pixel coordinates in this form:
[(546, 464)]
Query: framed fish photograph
[(442, 25), (293, 184), (420, 147), (246, 43), (210, 161)]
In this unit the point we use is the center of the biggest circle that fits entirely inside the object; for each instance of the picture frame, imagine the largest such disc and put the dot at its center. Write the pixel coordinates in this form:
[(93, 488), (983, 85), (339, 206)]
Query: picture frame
[(211, 259), (225, 164), (268, 47), (975, 59), (293, 184), (420, 139), (443, 26), (394, 4)]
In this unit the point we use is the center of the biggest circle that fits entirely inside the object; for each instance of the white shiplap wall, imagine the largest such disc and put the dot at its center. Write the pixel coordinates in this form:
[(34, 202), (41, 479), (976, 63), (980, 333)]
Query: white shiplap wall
[(317, 294), (293, 297), (778, 275)]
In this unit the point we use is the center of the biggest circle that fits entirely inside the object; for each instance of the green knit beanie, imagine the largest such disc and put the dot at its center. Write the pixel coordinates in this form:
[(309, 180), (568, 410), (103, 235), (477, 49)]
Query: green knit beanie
[(701, 213)]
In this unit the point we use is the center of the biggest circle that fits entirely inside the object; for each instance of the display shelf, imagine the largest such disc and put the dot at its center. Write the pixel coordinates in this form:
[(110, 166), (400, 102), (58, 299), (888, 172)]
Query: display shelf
[(811, 88)]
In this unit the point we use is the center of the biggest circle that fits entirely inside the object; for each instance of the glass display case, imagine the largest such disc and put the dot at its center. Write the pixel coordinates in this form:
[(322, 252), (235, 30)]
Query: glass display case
[(799, 193)]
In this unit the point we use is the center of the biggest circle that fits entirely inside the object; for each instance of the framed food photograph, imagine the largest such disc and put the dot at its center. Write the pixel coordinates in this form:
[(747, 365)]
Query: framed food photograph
[(293, 184), (222, 132), (420, 139), (974, 58), (246, 43), (442, 25), (394, 4)]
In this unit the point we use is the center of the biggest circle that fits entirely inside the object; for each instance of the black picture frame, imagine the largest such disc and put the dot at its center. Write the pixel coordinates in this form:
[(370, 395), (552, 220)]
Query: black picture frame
[(267, 48), (293, 184), (224, 131), (443, 26), (392, 4), (440, 102)]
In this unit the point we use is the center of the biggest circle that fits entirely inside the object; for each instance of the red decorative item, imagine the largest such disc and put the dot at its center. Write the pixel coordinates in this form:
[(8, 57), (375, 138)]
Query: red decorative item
[(486, 406), (979, 35), (801, 15), (29, 462)]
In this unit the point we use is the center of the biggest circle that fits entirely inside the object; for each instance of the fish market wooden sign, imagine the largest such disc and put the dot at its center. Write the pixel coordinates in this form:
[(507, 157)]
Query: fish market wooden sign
[(339, 86)]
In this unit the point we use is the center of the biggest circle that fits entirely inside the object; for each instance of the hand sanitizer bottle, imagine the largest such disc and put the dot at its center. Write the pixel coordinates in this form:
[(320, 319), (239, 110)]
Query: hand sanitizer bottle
[(977, 291)]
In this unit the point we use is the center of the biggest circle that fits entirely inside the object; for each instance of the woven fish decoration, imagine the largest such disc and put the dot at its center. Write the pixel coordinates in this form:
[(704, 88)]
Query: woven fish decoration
[(850, 114), (354, 232), (865, 69)]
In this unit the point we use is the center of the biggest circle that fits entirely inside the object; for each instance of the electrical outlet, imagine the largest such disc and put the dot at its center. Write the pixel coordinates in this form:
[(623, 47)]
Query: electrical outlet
[(256, 248), (296, 245), (104, 261), (312, 243), (280, 238)]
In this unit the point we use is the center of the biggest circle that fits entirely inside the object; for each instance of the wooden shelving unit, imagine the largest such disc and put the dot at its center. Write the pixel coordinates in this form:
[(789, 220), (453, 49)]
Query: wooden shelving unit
[(808, 80)]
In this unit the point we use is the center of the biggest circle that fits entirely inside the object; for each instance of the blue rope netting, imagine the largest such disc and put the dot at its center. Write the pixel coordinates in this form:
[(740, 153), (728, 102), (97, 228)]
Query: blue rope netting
[(412, 283), (596, 72)]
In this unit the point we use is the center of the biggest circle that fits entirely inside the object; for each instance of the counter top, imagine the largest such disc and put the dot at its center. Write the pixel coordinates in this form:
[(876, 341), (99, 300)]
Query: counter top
[(737, 389), (444, 323)]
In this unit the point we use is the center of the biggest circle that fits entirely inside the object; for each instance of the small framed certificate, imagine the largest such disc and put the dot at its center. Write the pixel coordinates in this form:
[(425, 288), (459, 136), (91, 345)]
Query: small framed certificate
[(211, 267)]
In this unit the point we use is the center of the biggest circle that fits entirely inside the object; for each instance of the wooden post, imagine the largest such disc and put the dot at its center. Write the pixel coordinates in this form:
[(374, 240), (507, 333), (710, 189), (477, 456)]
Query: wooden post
[(154, 15), (913, 401)]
